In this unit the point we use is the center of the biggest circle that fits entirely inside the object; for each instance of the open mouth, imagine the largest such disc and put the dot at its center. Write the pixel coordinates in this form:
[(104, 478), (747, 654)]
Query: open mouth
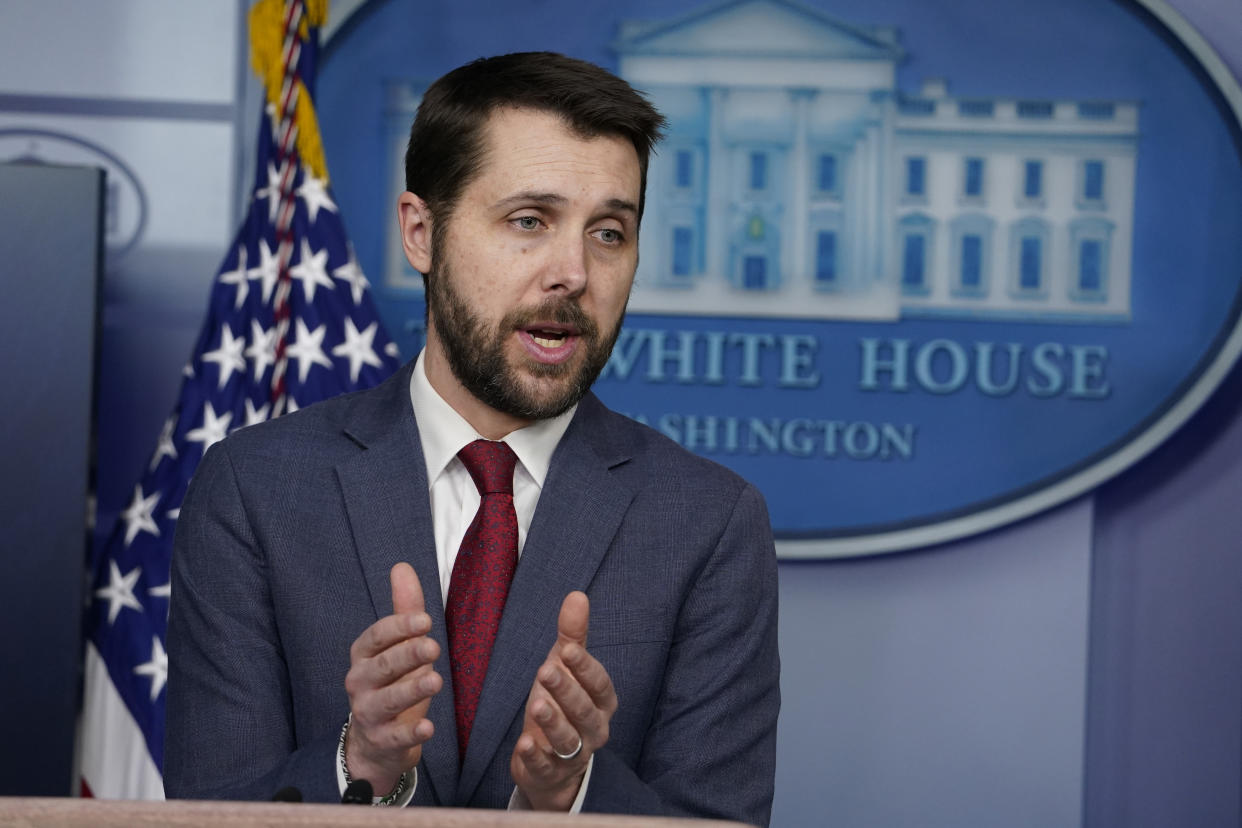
[(548, 338), (549, 344)]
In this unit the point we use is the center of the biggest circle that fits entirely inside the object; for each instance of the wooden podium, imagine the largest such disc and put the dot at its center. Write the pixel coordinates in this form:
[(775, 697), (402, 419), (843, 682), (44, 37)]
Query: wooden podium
[(35, 812)]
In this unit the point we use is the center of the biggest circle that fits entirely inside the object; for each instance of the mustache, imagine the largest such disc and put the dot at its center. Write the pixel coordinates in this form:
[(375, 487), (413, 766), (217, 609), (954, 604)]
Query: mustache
[(561, 311)]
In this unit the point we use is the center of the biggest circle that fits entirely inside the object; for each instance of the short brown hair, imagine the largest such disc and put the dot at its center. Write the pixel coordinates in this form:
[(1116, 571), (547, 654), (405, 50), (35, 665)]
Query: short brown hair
[(446, 141)]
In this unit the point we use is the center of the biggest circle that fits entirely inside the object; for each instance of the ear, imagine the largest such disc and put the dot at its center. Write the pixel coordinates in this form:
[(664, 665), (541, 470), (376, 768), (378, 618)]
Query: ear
[(414, 218)]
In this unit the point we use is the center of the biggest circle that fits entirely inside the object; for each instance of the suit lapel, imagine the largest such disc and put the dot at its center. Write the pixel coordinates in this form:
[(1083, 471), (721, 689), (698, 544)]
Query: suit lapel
[(385, 491), (580, 508)]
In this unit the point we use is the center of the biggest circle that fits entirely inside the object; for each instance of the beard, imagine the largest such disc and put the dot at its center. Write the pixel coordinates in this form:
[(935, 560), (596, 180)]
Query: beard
[(477, 355)]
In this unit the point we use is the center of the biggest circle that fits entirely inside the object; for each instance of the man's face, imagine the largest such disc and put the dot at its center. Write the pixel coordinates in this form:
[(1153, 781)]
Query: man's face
[(532, 272)]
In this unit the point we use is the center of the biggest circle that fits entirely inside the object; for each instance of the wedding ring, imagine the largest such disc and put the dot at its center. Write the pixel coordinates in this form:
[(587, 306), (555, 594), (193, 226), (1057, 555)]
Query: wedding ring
[(571, 754)]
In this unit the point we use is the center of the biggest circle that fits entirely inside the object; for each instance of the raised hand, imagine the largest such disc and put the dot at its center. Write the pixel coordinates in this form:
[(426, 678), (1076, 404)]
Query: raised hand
[(570, 705), (390, 684)]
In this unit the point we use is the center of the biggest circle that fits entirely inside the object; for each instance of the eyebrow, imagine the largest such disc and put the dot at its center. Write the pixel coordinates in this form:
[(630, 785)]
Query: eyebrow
[(557, 200), (527, 196), (622, 205)]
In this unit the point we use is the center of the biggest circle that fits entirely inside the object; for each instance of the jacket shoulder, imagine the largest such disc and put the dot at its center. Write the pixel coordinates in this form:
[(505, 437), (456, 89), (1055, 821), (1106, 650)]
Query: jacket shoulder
[(336, 426), (658, 457)]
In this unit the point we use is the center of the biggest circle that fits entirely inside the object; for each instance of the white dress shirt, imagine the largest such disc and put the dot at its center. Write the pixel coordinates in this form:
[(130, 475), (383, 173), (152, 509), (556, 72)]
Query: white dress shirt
[(455, 499)]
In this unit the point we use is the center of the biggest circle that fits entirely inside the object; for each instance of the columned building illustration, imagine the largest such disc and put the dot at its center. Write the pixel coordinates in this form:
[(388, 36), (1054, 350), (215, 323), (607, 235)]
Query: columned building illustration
[(798, 180)]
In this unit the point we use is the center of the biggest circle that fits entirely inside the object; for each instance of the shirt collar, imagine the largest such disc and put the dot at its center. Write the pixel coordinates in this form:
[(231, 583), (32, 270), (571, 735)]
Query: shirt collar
[(444, 432)]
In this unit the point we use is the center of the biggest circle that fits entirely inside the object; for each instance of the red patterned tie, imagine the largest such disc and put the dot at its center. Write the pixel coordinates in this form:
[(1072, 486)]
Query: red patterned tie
[(481, 577)]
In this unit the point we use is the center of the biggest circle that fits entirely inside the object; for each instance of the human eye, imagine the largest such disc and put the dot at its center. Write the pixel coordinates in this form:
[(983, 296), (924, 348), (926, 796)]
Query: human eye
[(526, 222), (610, 236)]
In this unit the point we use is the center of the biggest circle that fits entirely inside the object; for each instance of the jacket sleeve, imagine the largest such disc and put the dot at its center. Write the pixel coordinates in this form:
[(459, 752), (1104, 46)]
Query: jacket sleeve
[(710, 750), (229, 722)]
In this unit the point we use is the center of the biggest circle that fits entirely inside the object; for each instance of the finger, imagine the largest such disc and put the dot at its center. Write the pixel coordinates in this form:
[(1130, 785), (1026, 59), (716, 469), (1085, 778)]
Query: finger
[(538, 763), (396, 662), (573, 712), (397, 736), (574, 618), (389, 630), (407, 592), (560, 734), (591, 675), (412, 690)]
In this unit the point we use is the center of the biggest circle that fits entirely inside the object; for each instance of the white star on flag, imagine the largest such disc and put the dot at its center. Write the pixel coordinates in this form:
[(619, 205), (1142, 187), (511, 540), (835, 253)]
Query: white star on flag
[(392, 350), (120, 590), (308, 349), (311, 270), (315, 195), (156, 668), (228, 356), (213, 428), (138, 516), (271, 192), (238, 277), (357, 348), (165, 447), (262, 348), (253, 415), (350, 272), (268, 270)]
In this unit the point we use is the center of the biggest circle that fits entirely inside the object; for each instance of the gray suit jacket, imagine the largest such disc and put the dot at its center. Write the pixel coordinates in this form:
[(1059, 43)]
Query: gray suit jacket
[(281, 559)]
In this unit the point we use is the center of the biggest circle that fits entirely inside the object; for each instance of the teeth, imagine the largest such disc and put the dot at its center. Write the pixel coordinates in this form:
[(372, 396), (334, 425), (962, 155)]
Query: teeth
[(546, 343)]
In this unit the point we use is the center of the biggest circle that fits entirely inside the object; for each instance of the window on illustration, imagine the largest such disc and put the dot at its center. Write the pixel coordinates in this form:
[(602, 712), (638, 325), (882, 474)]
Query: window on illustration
[(1030, 263), (683, 250), (1033, 179), (684, 169), (1093, 180), (826, 177), (972, 261), (758, 171), (972, 186), (916, 171), (1090, 275), (755, 273), (826, 256), (912, 260)]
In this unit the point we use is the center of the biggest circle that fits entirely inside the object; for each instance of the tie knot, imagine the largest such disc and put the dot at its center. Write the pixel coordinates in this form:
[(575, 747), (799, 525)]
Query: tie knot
[(491, 465)]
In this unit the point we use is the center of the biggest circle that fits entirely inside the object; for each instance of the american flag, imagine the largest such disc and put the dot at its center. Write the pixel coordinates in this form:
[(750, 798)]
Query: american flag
[(290, 322)]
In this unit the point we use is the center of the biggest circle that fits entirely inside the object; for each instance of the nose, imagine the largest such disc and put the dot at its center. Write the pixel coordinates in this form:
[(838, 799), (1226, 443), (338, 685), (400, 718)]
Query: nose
[(566, 271)]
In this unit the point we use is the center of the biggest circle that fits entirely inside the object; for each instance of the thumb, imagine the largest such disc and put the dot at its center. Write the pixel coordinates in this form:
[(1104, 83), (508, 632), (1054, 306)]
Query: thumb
[(407, 592), (571, 624)]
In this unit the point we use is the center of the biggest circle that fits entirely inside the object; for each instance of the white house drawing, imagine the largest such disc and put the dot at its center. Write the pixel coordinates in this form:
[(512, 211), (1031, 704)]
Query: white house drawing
[(798, 181)]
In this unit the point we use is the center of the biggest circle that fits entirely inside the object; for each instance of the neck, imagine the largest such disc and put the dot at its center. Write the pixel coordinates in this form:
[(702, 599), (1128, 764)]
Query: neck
[(484, 419)]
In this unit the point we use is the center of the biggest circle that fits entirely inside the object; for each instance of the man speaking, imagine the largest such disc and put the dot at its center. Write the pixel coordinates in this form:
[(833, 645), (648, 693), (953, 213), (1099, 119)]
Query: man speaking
[(474, 585)]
